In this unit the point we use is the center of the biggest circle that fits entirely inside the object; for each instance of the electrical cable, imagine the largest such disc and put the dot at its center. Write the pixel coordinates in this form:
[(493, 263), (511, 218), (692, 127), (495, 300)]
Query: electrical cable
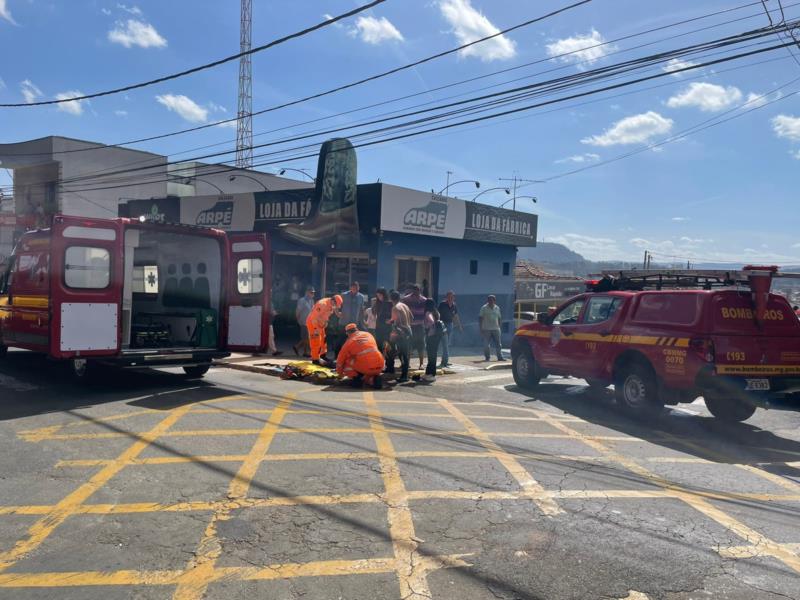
[(216, 63)]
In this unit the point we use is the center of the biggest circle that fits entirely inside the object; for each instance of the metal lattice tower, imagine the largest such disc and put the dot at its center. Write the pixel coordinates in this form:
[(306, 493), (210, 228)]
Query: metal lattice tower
[(244, 126)]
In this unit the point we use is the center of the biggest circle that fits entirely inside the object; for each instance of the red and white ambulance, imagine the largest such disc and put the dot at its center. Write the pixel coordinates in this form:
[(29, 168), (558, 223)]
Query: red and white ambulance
[(133, 294)]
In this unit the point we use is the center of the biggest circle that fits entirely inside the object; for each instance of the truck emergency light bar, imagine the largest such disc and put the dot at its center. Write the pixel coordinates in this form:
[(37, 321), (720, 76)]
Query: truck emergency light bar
[(705, 279)]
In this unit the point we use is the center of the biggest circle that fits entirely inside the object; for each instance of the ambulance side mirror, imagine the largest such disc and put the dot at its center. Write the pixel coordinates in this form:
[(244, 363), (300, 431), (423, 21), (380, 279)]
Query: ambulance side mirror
[(544, 318)]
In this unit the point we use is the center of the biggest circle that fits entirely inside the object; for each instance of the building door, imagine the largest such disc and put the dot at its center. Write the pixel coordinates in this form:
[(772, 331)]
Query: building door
[(414, 269), (291, 274), (343, 269)]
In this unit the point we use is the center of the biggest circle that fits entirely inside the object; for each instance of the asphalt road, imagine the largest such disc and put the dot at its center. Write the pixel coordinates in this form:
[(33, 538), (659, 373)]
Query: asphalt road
[(147, 485)]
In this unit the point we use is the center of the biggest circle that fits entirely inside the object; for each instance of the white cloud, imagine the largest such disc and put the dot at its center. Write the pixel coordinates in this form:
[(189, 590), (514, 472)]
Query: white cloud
[(328, 17), (121, 113), (469, 25), (593, 248), (754, 100), (217, 107), (106, 11), (133, 10), (136, 33), (5, 13), (676, 63), (795, 154), (680, 219), (786, 126), (228, 124), (375, 31), (579, 158), (580, 48), (185, 107), (30, 92), (708, 97), (636, 129), (75, 107)]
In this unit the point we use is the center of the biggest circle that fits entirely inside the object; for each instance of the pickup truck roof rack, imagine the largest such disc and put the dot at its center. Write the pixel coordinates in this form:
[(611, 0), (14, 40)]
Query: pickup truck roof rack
[(706, 279)]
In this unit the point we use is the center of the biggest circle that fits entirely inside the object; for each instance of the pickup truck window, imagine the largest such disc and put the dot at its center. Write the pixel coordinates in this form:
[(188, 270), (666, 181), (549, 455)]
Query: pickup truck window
[(569, 314), (601, 308), (666, 308), (87, 268)]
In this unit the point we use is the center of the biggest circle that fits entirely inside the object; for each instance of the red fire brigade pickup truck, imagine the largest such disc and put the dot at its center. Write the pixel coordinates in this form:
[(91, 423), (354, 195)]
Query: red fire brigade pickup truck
[(133, 294), (664, 337)]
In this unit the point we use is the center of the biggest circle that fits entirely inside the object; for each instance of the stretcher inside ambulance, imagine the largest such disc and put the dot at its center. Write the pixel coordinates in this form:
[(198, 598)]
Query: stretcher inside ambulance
[(132, 294)]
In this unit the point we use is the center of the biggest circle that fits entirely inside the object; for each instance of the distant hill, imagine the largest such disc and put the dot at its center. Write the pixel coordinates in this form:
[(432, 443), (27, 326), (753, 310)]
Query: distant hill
[(549, 252)]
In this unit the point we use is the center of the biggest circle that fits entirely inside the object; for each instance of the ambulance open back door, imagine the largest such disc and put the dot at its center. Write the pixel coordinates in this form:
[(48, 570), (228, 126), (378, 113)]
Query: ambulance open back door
[(86, 287), (248, 292)]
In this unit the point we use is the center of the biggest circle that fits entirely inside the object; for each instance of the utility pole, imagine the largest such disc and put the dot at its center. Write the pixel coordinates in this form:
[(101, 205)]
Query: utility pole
[(244, 124), (515, 181), (645, 261), (448, 179)]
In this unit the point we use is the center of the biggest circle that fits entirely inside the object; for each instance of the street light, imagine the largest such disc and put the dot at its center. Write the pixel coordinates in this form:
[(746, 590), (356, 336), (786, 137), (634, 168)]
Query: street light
[(519, 198), (188, 181), (506, 190), (477, 184), (284, 169), (258, 181)]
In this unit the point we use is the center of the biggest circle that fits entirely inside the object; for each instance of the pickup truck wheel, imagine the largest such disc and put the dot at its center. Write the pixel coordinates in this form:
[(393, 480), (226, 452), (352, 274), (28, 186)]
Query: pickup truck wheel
[(523, 367), (197, 371), (636, 391), (731, 410)]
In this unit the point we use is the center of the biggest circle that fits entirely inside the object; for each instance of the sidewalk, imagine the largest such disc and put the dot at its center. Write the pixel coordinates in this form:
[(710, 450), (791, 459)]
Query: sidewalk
[(462, 359)]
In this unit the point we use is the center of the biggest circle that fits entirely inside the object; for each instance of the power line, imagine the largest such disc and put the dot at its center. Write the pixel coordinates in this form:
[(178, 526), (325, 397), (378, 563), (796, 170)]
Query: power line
[(210, 65)]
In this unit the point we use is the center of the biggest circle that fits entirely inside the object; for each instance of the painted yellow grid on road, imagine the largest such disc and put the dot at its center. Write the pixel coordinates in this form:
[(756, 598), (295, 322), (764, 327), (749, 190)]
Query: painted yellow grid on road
[(408, 564)]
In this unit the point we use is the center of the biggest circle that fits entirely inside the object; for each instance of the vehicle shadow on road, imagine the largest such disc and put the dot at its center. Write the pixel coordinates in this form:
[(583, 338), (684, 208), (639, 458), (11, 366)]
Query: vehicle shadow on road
[(699, 435), (32, 385)]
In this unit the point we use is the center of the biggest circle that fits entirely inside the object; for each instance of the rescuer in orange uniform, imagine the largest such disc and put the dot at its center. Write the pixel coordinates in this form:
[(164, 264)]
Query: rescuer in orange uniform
[(360, 358), (316, 323)]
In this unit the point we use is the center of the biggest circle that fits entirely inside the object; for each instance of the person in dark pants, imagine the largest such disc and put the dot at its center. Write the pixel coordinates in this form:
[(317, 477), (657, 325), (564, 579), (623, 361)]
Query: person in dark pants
[(383, 317), (416, 303), (448, 311), (433, 335), (399, 338)]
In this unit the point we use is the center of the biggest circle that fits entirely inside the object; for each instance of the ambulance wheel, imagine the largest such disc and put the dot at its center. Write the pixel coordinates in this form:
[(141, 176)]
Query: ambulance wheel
[(730, 410), (196, 371), (523, 367), (636, 390)]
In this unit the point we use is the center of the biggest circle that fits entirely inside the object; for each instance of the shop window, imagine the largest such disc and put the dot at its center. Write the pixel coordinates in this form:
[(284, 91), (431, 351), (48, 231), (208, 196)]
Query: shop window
[(87, 268), (341, 271), (250, 276), (506, 268), (473, 267), (145, 279)]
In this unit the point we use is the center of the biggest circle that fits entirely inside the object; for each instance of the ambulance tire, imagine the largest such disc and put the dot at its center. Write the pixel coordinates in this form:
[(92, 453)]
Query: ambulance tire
[(197, 371), (636, 391), (524, 369), (729, 410)]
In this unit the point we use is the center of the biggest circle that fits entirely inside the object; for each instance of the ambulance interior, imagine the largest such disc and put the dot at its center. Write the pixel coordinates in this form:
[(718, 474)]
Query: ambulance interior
[(172, 290)]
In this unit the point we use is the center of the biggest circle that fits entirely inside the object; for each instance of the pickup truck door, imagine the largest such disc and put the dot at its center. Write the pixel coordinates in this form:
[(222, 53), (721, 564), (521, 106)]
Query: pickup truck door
[(248, 293), (593, 333), (556, 351)]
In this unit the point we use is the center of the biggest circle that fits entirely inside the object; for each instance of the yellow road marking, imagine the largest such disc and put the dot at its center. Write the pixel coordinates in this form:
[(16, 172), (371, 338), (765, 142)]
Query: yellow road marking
[(200, 570), (693, 499), (754, 551), (40, 530), (411, 572), (511, 464)]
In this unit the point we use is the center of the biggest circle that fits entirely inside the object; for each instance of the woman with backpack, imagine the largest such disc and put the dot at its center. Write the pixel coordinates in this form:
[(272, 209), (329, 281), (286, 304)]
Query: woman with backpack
[(434, 329)]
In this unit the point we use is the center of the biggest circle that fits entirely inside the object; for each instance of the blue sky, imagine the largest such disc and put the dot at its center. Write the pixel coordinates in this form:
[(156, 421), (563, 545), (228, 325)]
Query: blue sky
[(726, 193)]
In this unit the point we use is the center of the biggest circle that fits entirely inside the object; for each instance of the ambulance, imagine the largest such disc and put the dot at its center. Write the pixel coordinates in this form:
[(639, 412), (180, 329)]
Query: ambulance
[(128, 293)]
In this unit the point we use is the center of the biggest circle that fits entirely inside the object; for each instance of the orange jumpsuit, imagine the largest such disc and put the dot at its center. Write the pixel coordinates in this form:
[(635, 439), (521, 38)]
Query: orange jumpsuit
[(360, 356), (316, 322)]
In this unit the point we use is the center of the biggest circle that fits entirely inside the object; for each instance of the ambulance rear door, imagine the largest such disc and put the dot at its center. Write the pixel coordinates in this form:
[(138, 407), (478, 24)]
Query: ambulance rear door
[(86, 287), (248, 292)]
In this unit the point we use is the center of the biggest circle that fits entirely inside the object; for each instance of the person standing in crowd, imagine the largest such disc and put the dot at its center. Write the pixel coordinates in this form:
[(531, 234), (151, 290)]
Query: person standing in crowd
[(370, 318), (382, 310), (489, 319), (353, 305), (416, 302), (400, 337), (359, 359), (305, 304), (271, 347), (448, 311), (318, 321), (434, 329)]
